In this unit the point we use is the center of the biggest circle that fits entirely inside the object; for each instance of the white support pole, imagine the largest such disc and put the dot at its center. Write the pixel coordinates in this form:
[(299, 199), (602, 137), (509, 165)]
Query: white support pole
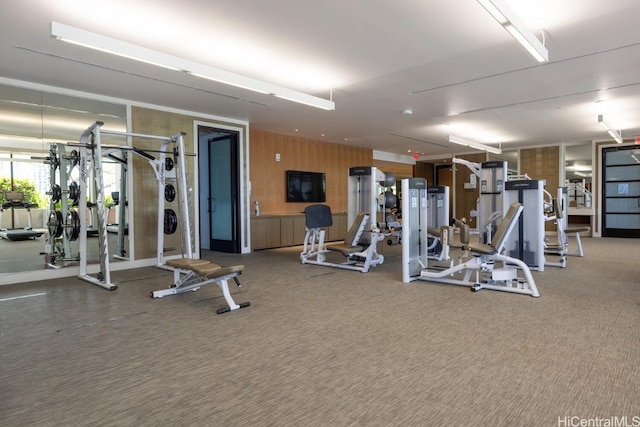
[(104, 278), (184, 200), (82, 202), (158, 166)]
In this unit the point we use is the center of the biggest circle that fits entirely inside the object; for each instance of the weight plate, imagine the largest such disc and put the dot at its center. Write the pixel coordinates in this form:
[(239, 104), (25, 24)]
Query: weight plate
[(72, 225), (74, 192), (168, 164), (169, 193), (54, 162), (55, 193), (170, 221), (54, 224), (74, 158)]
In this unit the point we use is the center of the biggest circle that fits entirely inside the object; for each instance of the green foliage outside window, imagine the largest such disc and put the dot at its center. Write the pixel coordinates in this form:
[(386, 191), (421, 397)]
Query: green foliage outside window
[(25, 186)]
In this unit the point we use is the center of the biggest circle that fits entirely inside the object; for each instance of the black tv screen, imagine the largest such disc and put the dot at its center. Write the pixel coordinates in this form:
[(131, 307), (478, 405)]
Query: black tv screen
[(308, 187)]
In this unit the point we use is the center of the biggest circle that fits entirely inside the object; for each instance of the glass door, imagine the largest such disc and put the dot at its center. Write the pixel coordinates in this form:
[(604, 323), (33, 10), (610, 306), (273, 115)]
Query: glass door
[(621, 192), (223, 193)]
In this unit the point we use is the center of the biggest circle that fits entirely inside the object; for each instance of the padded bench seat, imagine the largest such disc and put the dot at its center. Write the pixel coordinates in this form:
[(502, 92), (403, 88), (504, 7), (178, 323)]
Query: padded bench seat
[(186, 263), (344, 249), (212, 271), (578, 229)]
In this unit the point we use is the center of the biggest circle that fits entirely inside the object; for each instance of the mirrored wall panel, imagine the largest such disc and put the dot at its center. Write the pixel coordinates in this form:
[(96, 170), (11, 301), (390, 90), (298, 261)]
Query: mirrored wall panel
[(39, 177)]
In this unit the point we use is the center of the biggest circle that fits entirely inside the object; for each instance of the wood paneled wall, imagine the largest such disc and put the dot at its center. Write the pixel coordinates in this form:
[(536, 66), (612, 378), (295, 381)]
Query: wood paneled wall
[(542, 163), (400, 170), (268, 176), (425, 170), (145, 184)]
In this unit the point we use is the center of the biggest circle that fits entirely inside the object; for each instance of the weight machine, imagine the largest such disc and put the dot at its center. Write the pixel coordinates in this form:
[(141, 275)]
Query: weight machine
[(440, 233), (527, 241), (363, 185), (488, 267), (491, 201), (560, 247), (360, 245)]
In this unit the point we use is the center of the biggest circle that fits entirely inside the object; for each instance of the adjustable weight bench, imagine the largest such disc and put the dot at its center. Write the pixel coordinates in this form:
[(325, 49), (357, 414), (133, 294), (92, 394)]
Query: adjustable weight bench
[(190, 274)]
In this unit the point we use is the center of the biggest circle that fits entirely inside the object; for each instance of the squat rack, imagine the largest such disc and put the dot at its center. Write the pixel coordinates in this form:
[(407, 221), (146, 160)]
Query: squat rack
[(91, 141)]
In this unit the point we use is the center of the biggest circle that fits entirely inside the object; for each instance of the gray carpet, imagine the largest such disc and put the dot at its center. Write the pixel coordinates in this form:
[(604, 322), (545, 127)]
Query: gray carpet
[(325, 347)]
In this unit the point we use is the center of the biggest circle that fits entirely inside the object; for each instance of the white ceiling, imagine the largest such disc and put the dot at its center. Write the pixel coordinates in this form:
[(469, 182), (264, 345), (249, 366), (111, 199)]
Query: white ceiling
[(448, 61)]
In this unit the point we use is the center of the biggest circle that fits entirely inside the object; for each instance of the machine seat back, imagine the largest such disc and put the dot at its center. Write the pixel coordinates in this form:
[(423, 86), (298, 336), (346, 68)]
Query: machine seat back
[(356, 229), (558, 208), (350, 244), (318, 216), (503, 231)]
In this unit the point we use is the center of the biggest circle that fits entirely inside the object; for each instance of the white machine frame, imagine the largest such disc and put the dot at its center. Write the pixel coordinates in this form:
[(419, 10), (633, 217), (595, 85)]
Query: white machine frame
[(527, 240), (491, 205), (441, 234), (560, 247)]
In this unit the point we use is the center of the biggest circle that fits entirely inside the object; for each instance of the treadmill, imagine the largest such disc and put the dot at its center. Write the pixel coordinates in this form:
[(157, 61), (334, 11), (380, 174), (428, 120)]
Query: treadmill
[(15, 200)]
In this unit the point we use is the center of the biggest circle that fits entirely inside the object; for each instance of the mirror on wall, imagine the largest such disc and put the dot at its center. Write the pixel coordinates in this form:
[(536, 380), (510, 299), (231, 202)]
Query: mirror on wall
[(39, 174), (578, 175), (578, 162), (511, 157)]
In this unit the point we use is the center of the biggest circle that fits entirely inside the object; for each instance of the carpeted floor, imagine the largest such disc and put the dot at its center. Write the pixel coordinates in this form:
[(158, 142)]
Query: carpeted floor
[(326, 347)]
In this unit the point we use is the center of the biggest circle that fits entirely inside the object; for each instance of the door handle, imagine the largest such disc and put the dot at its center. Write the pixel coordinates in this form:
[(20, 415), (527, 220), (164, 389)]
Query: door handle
[(212, 201)]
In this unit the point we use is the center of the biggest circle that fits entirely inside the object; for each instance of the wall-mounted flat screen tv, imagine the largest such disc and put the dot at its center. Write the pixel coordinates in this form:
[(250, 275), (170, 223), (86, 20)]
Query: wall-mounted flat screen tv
[(308, 187)]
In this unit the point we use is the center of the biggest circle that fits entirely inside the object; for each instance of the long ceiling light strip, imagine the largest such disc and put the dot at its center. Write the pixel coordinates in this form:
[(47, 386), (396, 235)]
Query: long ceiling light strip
[(113, 46), (473, 144), (615, 134), (510, 21)]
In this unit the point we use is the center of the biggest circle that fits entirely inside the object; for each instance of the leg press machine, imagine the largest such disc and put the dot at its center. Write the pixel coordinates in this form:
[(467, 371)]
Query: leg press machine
[(360, 256)]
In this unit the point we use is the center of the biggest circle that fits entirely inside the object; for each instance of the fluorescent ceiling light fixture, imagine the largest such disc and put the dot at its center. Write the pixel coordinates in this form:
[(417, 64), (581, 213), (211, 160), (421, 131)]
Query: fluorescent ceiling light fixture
[(615, 134), (510, 21), (138, 53), (473, 144), (105, 44)]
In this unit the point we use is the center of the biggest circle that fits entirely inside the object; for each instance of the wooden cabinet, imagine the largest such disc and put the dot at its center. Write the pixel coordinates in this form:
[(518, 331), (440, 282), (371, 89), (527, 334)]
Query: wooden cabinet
[(274, 231), (292, 230), (265, 232)]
